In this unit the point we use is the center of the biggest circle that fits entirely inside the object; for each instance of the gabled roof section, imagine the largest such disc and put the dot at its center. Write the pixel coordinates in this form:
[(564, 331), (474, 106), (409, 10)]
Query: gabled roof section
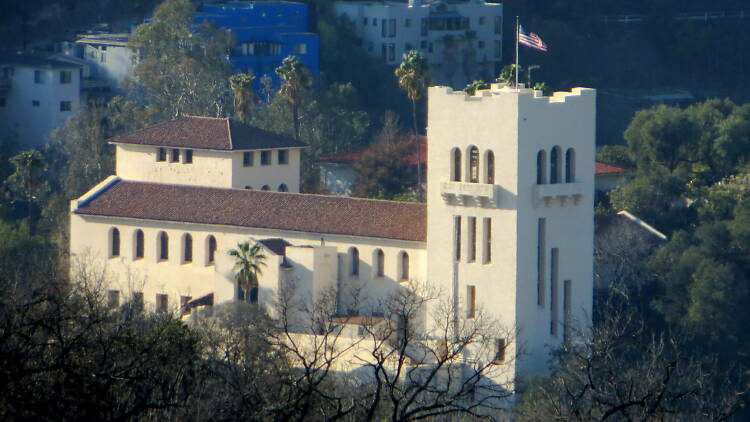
[(215, 133), (604, 168), (318, 214)]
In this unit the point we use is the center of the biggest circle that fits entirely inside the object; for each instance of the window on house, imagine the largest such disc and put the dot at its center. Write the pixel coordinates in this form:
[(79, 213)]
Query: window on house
[(379, 262), (247, 158), (103, 57), (541, 259), (500, 350), (364, 21), (498, 48), (187, 156), (300, 48), (481, 20), (353, 262), (498, 25), (404, 266), (456, 165), (35, 103), (265, 158), (187, 249), (392, 28), (480, 44), (384, 51), (570, 166), (162, 303), (473, 175), (114, 242), (391, 52), (66, 106), (265, 187), (457, 236), (211, 250), (163, 246), (138, 300), (38, 77), (487, 233), (489, 176), (383, 28), (283, 156), (471, 301), (566, 310), (407, 23), (113, 299), (472, 232), (138, 241), (66, 76), (184, 305), (175, 156), (161, 154), (283, 188), (2, 101), (555, 165), (553, 305), (541, 167)]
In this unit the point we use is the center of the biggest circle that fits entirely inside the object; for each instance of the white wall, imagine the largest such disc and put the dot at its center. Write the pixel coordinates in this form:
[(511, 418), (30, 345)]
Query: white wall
[(272, 175)]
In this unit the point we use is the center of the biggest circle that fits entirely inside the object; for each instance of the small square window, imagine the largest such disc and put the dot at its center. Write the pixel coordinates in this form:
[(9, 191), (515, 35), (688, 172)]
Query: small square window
[(481, 44), (481, 20), (38, 77), (66, 76), (175, 158), (161, 154), (283, 156), (35, 103), (247, 158), (65, 106), (187, 157), (265, 158)]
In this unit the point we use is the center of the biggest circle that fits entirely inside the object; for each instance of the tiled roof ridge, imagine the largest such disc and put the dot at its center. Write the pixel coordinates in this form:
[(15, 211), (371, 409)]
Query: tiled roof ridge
[(124, 135)]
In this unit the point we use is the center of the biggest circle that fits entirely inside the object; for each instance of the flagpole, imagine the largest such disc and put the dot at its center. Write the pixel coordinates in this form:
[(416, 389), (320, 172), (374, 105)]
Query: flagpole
[(518, 29)]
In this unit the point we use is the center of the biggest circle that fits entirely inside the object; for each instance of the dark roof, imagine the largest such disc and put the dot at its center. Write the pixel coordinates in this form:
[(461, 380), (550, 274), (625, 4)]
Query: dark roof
[(219, 133), (261, 209), (277, 245), (35, 60), (604, 168)]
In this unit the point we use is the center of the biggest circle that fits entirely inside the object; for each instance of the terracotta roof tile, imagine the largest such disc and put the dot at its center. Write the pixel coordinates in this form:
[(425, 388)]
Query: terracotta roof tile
[(207, 133), (604, 168), (261, 209)]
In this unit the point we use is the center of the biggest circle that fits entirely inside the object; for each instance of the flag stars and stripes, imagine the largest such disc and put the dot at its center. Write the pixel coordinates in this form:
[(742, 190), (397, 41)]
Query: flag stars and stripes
[(531, 40)]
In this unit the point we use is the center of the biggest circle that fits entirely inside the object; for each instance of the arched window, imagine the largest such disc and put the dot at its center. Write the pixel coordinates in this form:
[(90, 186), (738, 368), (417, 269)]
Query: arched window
[(404, 264), (248, 187), (265, 187), (570, 165), (138, 242), (541, 167), (456, 165), (187, 248), (115, 243), (379, 261), (353, 261), (163, 246), (473, 175), (211, 248), (555, 165), (489, 176), (283, 188)]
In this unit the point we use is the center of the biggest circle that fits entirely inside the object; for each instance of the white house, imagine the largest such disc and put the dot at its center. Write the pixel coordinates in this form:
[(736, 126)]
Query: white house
[(462, 41), (507, 228), (109, 59), (37, 94)]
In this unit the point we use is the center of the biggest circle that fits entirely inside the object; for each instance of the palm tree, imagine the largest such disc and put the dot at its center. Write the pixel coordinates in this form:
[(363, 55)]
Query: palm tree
[(295, 79), (243, 94), (248, 263), (413, 77)]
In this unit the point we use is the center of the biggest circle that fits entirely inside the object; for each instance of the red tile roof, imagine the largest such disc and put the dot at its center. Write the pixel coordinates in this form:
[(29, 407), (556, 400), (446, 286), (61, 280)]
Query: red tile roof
[(352, 156), (603, 168), (207, 133), (261, 209)]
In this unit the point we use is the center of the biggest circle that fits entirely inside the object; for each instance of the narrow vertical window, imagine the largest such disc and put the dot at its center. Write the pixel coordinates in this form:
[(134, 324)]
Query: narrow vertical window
[(473, 175), (283, 156), (161, 154), (247, 158), (138, 241), (487, 233), (541, 167), (489, 176), (541, 259), (566, 310), (113, 299), (138, 300), (187, 249), (555, 165), (471, 223), (162, 303), (457, 236), (115, 248), (404, 265), (187, 157), (471, 301), (211, 250), (265, 158), (163, 246), (570, 165), (175, 155), (353, 262), (456, 165), (500, 350), (379, 262), (553, 304)]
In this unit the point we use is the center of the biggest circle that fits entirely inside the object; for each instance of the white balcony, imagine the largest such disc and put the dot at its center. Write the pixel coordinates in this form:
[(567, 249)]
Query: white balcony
[(467, 193), (562, 192)]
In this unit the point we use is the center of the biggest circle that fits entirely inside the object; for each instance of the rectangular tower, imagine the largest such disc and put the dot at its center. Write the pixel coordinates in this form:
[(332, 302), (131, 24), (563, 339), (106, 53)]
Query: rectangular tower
[(510, 212)]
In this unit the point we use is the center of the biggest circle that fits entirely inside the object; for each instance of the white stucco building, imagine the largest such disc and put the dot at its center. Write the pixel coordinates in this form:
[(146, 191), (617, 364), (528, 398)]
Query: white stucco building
[(462, 41), (507, 228), (108, 57)]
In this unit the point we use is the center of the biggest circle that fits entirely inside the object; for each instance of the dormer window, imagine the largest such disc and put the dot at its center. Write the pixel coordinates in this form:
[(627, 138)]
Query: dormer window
[(247, 158), (161, 154), (283, 156), (175, 156), (265, 158)]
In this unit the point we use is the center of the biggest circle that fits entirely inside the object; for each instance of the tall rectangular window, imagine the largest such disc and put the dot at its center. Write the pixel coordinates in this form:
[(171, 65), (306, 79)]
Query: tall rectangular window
[(113, 299), (392, 28), (471, 223), (38, 77), (553, 304), (175, 156), (391, 52), (500, 350), (498, 48), (471, 301), (161, 154), (187, 157), (498, 25), (457, 236), (566, 310), (138, 299), (66, 76), (265, 158), (247, 158), (487, 233), (283, 156), (162, 303), (383, 28), (541, 259)]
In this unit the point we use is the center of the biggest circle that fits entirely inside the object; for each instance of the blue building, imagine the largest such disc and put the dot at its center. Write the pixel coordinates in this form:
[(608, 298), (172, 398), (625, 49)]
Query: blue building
[(265, 33)]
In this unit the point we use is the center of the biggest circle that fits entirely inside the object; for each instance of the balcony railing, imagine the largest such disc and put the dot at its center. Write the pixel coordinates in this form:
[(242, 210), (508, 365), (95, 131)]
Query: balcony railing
[(562, 192), (466, 193)]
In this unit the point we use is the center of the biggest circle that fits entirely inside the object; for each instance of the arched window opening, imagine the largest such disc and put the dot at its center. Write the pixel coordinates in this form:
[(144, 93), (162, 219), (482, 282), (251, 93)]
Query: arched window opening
[(187, 250), (473, 176), (353, 262), (138, 253), (163, 246), (541, 167), (489, 176), (265, 187), (570, 166), (456, 165), (115, 245), (555, 165), (379, 263), (404, 266), (283, 188), (211, 250)]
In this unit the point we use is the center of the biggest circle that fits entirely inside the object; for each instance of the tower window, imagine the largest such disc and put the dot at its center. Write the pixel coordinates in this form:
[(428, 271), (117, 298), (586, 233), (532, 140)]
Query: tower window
[(115, 246), (138, 253), (456, 165), (570, 166), (404, 266), (457, 237), (472, 232), (541, 167), (541, 259), (162, 303), (555, 165), (566, 310), (553, 304), (500, 350), (353, 262), (163, 246), (471, 301), (473, 165), (487, 232), (489, 177)]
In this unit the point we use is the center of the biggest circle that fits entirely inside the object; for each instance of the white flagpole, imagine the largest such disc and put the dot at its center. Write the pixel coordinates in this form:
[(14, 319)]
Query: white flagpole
[(518, 33)]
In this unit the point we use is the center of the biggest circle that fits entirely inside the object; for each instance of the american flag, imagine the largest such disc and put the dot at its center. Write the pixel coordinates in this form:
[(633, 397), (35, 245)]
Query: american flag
[(530, 40)]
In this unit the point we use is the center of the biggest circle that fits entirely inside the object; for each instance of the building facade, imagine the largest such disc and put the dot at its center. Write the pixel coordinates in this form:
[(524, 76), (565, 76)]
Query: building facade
[(507, 229), (107, 57), (462, 41)]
